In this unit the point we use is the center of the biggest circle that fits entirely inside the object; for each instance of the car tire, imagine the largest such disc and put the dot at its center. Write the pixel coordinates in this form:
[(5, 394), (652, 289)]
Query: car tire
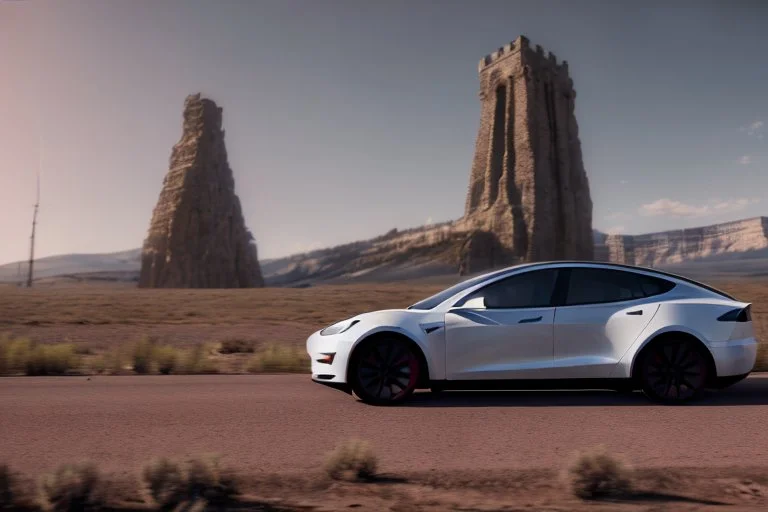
[(384, 371), (674, 371)]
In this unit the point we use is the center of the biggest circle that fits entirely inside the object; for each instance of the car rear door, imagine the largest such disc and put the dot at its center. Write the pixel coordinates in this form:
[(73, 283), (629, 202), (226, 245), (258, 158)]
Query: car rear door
[(503, 331), (603, 311)]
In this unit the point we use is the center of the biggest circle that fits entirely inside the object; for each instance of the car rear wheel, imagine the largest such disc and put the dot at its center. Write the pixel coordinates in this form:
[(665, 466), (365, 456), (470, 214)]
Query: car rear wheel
[(385, 371), (674, 371)]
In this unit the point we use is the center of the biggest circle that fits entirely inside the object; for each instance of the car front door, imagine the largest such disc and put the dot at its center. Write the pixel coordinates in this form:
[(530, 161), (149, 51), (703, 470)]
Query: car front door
[(602, 314), (504, 330)]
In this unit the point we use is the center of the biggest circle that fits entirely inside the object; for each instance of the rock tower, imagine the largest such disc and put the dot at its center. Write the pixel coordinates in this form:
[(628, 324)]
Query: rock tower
[(528, 185), (197, 237)]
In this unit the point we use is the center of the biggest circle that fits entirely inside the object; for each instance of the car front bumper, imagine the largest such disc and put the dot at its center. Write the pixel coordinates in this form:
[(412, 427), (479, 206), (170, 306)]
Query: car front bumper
[(319, 346), (734, 357)]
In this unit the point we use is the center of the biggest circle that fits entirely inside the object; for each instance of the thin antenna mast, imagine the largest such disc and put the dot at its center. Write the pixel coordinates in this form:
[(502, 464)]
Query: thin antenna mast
[(34, 223)]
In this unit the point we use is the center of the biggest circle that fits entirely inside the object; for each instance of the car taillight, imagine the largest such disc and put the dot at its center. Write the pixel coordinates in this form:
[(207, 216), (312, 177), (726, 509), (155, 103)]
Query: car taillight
[(737, 315)]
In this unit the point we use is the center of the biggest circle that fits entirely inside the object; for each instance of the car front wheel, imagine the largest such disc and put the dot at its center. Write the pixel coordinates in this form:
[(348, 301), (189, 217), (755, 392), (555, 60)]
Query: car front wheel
[(674, 371), (385, 371)]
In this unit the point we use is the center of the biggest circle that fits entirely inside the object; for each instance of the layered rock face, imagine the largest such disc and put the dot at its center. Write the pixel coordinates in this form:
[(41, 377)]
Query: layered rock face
[(528, 185), (669, 247), (197, 237)]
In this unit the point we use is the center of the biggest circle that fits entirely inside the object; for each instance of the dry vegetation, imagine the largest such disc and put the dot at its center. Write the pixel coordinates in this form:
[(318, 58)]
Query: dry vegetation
[(200, 483), (597, 474), (352, 460), (171, 484), (232, 331)]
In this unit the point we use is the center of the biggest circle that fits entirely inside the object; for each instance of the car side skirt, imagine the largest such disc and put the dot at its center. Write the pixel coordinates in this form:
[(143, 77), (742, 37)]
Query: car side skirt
[(614, 384), (535, 384)]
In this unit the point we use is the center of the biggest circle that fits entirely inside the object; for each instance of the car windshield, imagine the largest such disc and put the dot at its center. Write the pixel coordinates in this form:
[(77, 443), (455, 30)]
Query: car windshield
[(434, 300)]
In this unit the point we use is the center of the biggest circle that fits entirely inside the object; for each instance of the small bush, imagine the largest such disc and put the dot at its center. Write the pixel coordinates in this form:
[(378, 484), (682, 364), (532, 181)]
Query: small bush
[(597, 474), (14, 354), (206, 480), (165, 481), (196, 361), (236, 346), (50, 359), (201, 479), (112, 362), (72, 487), (352, 460), (280, 358), (167, 359), (142, 356), (7, 488)]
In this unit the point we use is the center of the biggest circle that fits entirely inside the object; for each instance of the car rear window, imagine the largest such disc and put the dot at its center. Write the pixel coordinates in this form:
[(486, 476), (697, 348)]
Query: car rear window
[(589, 285)]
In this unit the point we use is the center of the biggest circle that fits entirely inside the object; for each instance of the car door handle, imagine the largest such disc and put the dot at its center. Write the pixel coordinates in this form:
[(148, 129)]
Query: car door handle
[(636, 312), (530, 320)]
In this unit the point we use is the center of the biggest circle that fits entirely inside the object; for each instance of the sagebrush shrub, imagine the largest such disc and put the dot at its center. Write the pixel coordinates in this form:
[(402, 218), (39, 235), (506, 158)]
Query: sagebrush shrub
[(196, 360), (597, 474), (47, 359), (142, 356), (199, 480), (165, 481), (352, 460), (167, 359), (72, 487), (205, 479), (7, 488), (279, 358)]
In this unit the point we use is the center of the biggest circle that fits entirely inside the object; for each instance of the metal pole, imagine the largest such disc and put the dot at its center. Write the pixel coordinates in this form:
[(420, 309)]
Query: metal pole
[(32, 238)]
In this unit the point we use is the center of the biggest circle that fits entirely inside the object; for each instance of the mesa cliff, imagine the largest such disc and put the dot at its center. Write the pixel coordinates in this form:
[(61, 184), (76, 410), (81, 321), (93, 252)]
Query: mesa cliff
[(718, 241), (197, 237), (432, 251)]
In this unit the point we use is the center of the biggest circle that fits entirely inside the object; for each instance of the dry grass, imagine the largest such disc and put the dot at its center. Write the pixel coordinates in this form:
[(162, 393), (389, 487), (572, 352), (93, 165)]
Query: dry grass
[(7, 488), (20, 355), (352, 460), (201, 479), (71, 487), (164, 480), (276, 358), (105, 320), (597, 474)]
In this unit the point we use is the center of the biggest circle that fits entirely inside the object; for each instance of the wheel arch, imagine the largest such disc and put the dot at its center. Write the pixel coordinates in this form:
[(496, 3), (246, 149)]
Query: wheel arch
[(424, 378), (674, 334)]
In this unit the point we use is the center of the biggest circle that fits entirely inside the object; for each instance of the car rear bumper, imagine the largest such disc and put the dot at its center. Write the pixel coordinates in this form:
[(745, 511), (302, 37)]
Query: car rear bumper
[(318, 348), (734, 357)]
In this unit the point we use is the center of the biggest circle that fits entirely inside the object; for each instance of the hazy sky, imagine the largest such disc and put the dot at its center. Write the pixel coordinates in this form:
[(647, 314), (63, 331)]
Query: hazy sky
[(345, 119)]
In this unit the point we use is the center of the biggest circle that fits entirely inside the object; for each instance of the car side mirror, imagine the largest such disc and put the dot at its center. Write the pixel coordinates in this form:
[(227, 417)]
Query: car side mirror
[(475, 303)]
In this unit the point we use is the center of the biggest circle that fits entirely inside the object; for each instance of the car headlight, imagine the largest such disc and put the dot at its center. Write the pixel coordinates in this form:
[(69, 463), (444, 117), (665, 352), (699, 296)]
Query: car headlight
[(338, 327)]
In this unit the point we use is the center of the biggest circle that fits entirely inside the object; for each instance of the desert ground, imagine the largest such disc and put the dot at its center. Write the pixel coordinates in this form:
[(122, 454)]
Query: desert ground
[(454, 451), (98, 318)]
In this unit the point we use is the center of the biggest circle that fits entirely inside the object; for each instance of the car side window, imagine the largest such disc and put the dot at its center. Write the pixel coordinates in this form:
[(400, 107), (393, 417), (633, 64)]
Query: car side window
[(598, 285), (528, 290)]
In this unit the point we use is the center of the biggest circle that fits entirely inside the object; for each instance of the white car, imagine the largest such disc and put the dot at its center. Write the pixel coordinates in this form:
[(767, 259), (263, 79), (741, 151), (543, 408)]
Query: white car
[(545, 325)]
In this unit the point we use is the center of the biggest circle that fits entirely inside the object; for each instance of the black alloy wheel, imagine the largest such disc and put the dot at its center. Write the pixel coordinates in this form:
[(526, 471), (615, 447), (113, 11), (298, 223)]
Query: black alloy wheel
[(674, 371), (385, 371)]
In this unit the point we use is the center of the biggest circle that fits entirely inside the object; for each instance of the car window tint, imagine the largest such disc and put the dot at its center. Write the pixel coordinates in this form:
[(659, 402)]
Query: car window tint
[(527, 290), (596, 285)]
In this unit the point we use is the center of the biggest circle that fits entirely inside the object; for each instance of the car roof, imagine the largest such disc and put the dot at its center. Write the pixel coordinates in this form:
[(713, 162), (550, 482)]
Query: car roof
[(609, 265)]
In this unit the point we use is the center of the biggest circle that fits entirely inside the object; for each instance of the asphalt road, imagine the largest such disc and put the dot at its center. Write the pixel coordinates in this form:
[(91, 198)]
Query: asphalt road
[(286, 424)]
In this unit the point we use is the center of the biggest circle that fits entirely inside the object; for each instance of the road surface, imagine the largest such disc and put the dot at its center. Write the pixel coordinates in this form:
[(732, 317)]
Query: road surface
[(286, 424)]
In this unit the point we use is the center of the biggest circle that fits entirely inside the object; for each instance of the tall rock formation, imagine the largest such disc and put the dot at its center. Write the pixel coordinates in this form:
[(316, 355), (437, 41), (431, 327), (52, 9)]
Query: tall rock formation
[(528, 185), (197, 237)]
